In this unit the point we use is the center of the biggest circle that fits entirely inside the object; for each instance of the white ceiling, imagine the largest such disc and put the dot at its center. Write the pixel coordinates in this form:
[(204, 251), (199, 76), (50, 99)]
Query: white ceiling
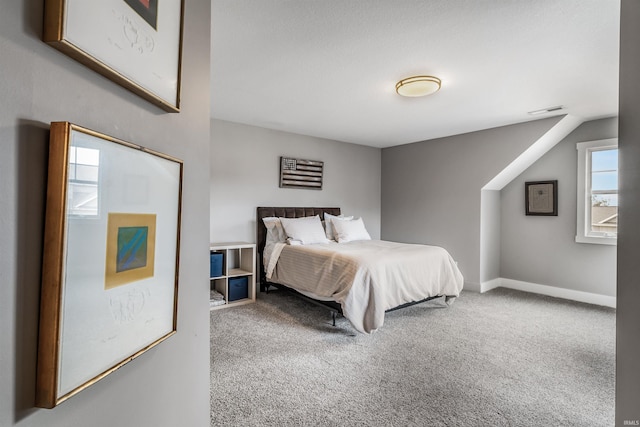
[(328, 68)]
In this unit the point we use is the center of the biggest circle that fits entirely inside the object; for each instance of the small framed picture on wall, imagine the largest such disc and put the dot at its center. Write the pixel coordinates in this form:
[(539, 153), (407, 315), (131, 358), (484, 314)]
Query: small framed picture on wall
[(541, 198)]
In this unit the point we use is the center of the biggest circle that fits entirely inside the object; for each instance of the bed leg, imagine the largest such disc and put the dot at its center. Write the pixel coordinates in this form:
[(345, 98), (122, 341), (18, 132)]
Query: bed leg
[(333, 316)]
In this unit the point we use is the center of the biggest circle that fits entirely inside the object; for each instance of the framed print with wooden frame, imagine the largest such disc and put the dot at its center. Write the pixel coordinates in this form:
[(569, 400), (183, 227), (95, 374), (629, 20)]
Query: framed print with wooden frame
[(135, 43), (300, 173), (110, 264), (541, 198)]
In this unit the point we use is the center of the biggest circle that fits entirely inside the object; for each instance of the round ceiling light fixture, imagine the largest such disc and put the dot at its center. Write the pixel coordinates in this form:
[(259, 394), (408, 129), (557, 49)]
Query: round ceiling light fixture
[(418, 86)]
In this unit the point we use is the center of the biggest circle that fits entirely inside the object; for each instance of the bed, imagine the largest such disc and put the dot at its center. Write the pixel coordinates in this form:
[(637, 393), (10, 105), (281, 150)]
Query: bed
[(361, 279)]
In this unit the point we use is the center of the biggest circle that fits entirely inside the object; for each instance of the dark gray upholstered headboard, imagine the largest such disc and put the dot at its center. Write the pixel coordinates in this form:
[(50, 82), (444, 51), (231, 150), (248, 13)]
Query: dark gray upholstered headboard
[(291, 212)]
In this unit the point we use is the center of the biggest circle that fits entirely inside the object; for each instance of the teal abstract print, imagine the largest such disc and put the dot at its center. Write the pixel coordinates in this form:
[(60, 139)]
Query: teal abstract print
[(132, 248)]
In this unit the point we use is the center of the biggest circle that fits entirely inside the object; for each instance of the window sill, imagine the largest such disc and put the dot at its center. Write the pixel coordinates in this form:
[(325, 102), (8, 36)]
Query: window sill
[(611, 241)]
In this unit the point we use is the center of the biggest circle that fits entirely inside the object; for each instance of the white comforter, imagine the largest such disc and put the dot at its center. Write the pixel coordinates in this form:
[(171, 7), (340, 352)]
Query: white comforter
[(365, 277)]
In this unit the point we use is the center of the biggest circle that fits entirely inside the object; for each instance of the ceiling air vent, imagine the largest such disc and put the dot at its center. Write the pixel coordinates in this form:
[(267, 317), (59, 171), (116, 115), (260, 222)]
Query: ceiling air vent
[(546, 110)]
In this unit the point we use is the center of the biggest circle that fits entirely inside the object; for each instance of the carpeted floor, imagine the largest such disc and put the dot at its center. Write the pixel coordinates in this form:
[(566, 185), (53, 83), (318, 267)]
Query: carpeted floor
[(503, 358)]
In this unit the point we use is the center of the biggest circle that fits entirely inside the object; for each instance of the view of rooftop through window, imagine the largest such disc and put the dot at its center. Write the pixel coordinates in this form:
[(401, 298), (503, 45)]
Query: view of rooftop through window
[(604, 191)]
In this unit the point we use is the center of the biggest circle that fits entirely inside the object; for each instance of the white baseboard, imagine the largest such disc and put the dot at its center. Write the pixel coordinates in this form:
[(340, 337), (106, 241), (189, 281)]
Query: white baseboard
[(552, 291), (491, 284)]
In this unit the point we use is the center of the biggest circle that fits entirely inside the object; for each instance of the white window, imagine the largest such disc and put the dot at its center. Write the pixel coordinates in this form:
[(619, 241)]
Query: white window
[(597, 219)]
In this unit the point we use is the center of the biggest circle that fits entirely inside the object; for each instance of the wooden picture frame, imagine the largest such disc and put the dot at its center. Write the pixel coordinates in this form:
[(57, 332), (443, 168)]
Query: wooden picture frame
[(110, 264), (301, 173), (135, 43), (541, 198)]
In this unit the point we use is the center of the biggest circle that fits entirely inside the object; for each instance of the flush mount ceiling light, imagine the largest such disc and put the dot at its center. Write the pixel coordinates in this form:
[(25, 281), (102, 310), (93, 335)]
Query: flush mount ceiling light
[(418, 86)]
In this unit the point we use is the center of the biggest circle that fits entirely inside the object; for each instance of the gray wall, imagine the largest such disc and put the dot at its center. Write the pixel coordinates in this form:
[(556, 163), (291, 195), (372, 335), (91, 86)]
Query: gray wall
[(431, 190), (543, 250), (628, 314), (490, 216), (168, 385), (245, 168)]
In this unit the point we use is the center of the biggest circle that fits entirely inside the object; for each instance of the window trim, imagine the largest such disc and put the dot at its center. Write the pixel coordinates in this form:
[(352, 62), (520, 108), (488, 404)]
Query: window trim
[(583, 211)]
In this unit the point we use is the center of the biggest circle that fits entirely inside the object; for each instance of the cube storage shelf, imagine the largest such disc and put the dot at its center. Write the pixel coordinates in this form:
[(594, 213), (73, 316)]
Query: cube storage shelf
[(233, 267)]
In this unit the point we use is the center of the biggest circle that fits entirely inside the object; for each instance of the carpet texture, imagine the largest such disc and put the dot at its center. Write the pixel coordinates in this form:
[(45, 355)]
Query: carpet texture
[(503, 358)]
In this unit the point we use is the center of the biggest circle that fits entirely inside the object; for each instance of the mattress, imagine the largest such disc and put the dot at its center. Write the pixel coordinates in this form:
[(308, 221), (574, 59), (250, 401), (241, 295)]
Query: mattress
[(366, 278)]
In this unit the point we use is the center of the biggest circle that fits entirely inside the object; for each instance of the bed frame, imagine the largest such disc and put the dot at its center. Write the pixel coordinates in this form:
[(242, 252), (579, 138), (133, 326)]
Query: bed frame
[(261, 239)]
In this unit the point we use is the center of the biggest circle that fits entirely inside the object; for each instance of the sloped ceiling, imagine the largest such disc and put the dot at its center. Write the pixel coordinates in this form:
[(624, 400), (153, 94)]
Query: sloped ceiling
[(328, 68)]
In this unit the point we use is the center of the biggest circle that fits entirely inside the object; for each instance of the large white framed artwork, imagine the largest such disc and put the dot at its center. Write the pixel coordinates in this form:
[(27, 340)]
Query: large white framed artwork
[(110, 262), (136, 43)]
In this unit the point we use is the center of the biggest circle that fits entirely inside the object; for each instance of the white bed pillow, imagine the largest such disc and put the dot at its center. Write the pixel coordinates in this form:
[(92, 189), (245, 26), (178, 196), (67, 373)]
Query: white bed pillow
[(348, 231), (307, 230), (328, 226), (275, 232)]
